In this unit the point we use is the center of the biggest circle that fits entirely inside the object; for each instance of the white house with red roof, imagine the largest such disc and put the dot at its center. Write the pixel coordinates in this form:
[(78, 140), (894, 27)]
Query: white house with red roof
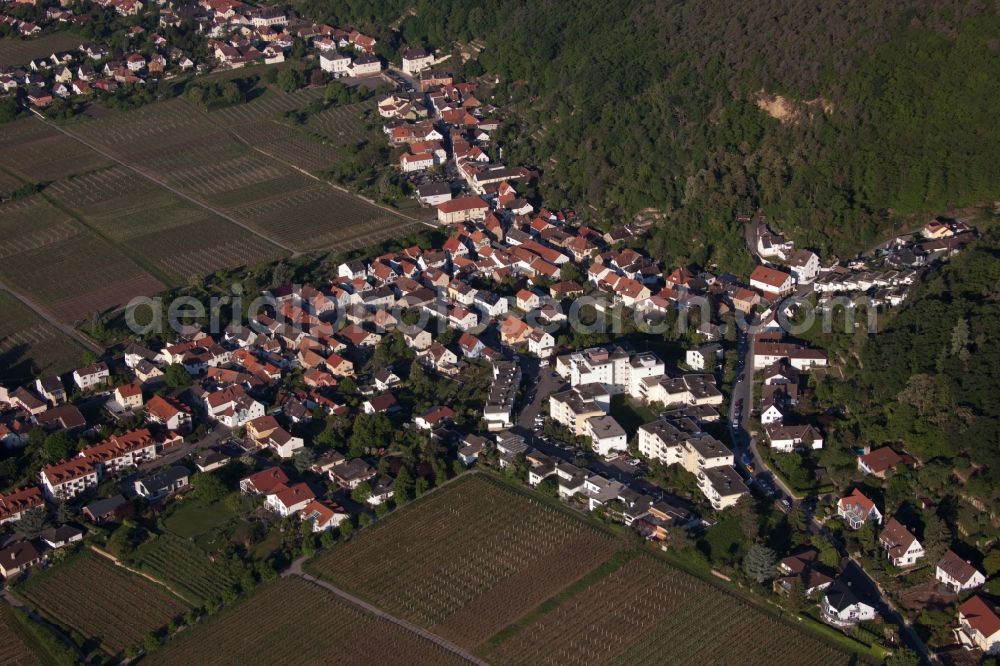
[(264, 481), (232, 407), (118, 452), (979, 624), (856, 509), (14, 504), (770, 281), (285, 500), (434, 417), (323, 515), (68, 479)]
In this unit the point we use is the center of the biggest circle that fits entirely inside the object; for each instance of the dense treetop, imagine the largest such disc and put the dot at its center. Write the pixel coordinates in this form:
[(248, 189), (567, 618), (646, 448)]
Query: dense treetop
[(629, 105)]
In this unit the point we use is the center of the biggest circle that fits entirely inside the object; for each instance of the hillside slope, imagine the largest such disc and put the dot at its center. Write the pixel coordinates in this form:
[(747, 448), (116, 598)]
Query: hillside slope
[(635, 104)]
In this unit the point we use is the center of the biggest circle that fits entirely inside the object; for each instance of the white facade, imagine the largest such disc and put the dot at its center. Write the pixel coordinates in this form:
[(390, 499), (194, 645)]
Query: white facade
[(334, 63)]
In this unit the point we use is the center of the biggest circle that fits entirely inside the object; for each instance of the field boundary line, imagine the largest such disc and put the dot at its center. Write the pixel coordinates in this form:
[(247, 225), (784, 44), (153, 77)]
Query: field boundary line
[(118, 563), (164, 185), (44, 313), (377, 612)]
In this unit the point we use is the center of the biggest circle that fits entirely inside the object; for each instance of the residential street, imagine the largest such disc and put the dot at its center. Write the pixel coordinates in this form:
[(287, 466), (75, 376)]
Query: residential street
[(216, 436), (744, 444)]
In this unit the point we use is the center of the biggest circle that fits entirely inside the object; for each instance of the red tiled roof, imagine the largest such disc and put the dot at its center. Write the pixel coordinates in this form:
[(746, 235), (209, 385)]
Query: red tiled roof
[(267, 480), (980, 615)]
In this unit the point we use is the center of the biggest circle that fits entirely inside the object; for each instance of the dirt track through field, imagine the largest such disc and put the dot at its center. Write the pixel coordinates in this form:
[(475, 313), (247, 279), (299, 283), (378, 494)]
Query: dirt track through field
[(44, 313)]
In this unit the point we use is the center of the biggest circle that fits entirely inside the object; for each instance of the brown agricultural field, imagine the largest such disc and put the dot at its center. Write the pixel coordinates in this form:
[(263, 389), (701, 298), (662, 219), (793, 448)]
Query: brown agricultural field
[(294, 621), (92, 596), (647, 612), (468, 560)]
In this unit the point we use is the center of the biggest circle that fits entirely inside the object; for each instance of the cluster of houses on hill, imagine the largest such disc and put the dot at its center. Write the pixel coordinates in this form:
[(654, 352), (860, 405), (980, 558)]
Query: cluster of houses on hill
[(885, 275), (240, 34), (90, 69)]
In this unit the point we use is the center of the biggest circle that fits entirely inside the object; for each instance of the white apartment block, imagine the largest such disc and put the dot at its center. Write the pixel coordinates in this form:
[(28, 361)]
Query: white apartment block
[(615, 368)]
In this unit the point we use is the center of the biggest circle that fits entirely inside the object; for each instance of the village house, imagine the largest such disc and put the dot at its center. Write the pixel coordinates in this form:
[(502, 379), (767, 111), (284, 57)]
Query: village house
[(957, 574), (804, 266), (770, 282), (52, 389), (704, 358), (462, 209), (899, 544), (232, 407), (365, 65), (169, 413), (979, 624), (416, 60), (108, 509), (163, 483), (334, 63), (323, 515), (19, 557), (352, 473), (286, 501), (91, 376), (264, 481), (434, 418), (433, 194), (128, 396), (881, 461), (801, 567), (842, 607), (786, 438), (856, 510), (799, 357)]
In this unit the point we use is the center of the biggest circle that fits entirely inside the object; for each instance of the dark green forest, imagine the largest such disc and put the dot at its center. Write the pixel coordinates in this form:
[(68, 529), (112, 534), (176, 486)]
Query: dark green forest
[(927, 383), (631, 104)]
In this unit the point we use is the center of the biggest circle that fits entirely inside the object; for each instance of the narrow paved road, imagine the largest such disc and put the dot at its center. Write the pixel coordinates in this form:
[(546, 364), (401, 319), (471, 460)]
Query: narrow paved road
[(295, 569), (164, 185), (44, 313)]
